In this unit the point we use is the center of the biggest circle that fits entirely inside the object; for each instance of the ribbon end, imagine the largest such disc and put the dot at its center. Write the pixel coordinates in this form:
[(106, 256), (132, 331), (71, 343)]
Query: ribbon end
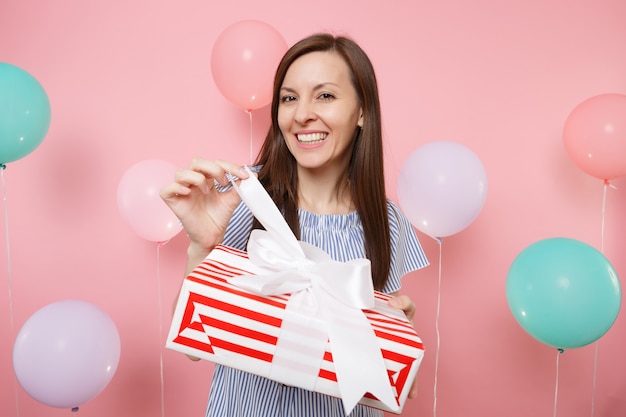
[(381, 390), (384, 395), (348, 405)]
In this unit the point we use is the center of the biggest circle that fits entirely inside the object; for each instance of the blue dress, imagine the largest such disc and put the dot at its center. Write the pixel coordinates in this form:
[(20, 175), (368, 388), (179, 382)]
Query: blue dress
[(236, 393)]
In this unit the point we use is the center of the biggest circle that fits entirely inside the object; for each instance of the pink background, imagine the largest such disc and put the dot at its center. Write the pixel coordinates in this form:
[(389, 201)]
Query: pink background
[(131, 80)]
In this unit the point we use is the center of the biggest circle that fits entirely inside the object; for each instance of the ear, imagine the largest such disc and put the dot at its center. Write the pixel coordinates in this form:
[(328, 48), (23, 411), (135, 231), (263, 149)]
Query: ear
[(360, 122)]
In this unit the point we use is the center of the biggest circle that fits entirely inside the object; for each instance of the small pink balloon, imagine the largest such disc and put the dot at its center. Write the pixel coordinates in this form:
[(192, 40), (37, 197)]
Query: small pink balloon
[(66, 353), (140, 204), (244, 59), (442, 188), (595, 136)]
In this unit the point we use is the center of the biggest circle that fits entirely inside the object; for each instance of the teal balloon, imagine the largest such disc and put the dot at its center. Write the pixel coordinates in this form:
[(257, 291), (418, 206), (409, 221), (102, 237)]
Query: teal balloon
[(563, 292), (24, 113)]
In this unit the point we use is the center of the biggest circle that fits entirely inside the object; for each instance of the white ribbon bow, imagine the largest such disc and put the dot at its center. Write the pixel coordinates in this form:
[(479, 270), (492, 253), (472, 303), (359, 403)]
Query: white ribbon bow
[(330, 293)]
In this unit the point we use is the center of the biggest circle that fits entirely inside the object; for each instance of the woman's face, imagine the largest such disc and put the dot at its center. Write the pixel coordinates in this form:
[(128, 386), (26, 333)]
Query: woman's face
[(319, 111)]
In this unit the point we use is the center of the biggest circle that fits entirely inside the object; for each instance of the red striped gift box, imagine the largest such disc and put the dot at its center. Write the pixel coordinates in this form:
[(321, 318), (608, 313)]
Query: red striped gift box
[(219, 322)]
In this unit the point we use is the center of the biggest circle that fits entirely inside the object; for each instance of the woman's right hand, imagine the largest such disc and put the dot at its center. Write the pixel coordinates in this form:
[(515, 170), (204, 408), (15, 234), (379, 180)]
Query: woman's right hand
[(203, 211)]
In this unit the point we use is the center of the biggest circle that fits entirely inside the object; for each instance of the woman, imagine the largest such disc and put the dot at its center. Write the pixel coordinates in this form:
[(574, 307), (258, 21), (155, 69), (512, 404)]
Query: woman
[(322, 164)]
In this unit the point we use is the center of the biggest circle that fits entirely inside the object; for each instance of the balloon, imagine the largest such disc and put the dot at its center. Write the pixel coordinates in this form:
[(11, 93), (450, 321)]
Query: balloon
[(244, 59), (140, 203), (563, 292), (442, 188), (595, 136), (24, 113), (66, 353)]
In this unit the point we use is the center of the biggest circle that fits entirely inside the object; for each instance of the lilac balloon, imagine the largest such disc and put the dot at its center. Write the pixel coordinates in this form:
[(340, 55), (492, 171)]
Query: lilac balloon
[(66, 353), (442, 188)]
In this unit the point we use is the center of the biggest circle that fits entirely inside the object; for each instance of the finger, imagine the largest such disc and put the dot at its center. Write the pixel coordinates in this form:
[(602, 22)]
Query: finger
[(184, 181), (409, 307), (173, 190), (413, 391), (217, 169), (404, 303), (190, 178)]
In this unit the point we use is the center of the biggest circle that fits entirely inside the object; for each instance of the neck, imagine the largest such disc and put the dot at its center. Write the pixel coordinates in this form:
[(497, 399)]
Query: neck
[(324, 192)]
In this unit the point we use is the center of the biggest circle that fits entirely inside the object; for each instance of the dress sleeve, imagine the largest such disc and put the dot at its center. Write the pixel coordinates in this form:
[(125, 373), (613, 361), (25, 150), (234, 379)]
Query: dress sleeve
[(407, 254), (239, 227), (240, 223)]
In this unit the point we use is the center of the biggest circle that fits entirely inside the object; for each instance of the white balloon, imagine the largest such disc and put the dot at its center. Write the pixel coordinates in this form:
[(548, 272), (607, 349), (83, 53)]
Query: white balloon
[(442, 188)]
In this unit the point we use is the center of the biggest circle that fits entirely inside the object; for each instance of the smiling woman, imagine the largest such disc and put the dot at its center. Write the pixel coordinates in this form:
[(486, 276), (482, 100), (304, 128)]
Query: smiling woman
[(322, 165), (319, 116)]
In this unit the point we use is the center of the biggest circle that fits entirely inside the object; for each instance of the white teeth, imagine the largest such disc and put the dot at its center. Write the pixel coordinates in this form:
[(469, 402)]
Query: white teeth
[(311, 137)]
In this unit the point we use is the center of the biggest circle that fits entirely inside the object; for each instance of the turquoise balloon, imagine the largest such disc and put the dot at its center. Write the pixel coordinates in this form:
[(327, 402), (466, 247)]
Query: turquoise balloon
[(563, 292), (24, 113)]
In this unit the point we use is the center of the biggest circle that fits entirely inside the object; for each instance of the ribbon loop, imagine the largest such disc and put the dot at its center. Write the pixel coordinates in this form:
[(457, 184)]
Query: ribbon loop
[(329, 293)]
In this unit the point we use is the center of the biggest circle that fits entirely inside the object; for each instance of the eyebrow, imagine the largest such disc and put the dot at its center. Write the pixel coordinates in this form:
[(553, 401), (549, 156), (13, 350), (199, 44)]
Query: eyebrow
[(317, 87)]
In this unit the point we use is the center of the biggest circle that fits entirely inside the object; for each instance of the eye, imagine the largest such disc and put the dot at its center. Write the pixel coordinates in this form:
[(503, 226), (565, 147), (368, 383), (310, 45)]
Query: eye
[(326, 96), (287, 98)]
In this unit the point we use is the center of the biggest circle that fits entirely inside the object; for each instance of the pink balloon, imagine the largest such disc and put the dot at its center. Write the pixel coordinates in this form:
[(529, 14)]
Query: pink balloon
[(66, 353), (140, 203), (244, 59), (442, 188), (595, 136)]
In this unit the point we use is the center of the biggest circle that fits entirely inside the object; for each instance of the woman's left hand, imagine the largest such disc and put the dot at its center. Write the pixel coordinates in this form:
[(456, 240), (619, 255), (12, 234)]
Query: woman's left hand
[(404, 303)]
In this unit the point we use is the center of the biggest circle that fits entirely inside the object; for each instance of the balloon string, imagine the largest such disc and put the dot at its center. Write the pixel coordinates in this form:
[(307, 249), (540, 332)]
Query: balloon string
[(596, 348), (250, 115), (556, 385), (6, 237), (593, 384), (437, 330), (606, 186), (158, 269), (9, 280)]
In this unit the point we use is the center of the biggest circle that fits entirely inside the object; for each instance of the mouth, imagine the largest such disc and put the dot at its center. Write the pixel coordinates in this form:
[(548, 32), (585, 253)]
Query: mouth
[(311, 138)]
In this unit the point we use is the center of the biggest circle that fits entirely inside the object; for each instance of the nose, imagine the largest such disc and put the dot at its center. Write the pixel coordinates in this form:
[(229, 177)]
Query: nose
[(304, 113)]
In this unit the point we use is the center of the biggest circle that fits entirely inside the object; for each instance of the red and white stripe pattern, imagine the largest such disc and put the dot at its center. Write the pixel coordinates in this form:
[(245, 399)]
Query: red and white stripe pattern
[(222, 323)]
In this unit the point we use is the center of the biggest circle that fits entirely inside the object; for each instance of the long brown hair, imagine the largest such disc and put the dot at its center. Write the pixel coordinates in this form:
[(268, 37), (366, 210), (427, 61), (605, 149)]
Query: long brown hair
[(365, 170)]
